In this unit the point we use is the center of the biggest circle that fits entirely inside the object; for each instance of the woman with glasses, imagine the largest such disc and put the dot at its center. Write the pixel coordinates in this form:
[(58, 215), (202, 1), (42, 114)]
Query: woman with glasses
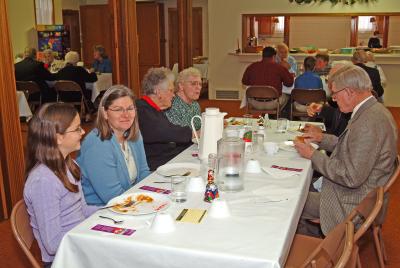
[(184, 104), (53, 192), (112, 156), (162, 139)]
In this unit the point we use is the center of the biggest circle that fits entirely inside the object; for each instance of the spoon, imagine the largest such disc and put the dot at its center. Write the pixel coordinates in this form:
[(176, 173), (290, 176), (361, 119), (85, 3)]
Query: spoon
[(108, 218)]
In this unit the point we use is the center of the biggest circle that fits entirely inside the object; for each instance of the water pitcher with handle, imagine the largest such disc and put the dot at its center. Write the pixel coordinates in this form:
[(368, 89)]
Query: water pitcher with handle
[(212, 126)]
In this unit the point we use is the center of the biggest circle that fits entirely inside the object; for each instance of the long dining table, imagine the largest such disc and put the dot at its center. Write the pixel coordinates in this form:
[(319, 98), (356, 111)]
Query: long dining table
[(258, 233)]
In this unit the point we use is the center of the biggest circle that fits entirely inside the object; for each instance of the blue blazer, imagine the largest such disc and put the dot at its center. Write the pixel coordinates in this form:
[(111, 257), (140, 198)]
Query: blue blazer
[(103, 167)]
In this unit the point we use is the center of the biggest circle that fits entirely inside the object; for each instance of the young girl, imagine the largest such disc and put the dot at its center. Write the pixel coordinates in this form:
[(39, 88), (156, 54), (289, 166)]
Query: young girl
[(53, 193)]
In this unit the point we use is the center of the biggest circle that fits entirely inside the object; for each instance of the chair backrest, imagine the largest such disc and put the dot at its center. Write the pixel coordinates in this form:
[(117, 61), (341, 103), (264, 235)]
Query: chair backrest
[(306, 96), (335, 250), (28, 87), (262, 92), (394, 175), (22, 230), (66, 85), (366, 212)]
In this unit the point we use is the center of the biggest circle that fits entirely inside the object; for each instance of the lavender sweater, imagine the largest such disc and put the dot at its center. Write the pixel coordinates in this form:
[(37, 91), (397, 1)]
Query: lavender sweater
[(53, 210)]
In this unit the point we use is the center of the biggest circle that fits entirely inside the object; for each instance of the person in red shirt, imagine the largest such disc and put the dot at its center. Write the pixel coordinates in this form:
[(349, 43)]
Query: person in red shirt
[(268, 73)]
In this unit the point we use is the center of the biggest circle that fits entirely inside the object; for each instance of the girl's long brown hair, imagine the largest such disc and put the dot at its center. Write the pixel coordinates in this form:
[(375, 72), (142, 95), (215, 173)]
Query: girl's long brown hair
[(42, 147)]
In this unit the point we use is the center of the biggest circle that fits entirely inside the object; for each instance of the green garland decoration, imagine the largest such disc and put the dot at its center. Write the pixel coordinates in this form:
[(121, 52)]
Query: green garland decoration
[(333, 2)]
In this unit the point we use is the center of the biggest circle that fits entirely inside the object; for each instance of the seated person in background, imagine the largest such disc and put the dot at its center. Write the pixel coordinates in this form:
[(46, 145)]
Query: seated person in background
[(370, 62), (102, 63), (307, 80), (282, 57), (268, 73), (50, 63), (359, 58), (29, 69), (322, 66), (374, 41), (112, 157), (162, 139), (53, 193), (184, 104), (79, 75), (362, 157)]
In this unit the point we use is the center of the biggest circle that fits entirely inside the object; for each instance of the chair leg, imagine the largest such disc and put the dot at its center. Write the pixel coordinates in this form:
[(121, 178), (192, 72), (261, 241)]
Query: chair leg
[(378, 247), (385, 256), (358, 261)]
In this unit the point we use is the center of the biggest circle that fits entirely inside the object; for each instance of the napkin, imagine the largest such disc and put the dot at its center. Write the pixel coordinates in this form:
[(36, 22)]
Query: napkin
[(281, 172)]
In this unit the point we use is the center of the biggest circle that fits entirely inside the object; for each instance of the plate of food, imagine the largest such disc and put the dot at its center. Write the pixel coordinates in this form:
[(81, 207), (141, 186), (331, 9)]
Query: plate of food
[(179, 169), (289, 145), (236, 122), (139, 203)]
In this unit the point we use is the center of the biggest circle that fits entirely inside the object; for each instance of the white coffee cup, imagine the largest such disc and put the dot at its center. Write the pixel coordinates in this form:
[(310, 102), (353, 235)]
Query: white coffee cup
[(253, 166), (271, 148), (196, 185), (163, 223), (219, 209)]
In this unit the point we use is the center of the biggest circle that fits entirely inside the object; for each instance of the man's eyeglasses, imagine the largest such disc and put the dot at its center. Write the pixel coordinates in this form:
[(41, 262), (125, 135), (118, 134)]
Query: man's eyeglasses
[(333, 95), (78, 130), (120, 110), (194, 83)]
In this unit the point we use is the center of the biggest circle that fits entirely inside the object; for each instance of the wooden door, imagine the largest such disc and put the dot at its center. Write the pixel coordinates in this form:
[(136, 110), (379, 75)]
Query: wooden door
[(71, 21), (96, 25), (149, 35), (197, 36)]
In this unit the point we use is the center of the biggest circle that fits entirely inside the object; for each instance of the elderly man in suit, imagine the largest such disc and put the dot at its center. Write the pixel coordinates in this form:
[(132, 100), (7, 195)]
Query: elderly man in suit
[(362, 158), (29, 69)]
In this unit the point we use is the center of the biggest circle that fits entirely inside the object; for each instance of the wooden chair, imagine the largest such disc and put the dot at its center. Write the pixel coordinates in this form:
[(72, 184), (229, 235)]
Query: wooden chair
[(380, 219), (263, 93), (333, 251), (62, 86), (22, 231), (304, 97), (30, 88)]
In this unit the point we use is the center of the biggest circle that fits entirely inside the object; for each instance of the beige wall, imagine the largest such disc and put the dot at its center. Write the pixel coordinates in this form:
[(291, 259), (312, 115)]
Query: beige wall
[(225, 71), (394, 31)]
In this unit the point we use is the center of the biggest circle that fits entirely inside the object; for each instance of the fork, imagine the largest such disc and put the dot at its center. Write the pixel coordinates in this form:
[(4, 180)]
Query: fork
[(187, 173), (125, 206), (114, 220)]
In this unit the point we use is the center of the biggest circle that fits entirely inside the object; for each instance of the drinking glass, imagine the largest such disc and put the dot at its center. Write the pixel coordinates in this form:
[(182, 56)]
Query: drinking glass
[(282, 125), (178, 189)]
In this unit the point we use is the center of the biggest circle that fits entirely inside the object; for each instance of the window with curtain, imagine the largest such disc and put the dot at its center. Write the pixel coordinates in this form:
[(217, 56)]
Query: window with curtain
[(366, 23), (279, 27), (44, 11)]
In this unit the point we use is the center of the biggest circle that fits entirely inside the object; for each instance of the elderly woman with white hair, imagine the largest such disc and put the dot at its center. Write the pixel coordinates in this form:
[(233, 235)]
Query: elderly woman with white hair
[(78, 74), (184, 104), (162, 139)]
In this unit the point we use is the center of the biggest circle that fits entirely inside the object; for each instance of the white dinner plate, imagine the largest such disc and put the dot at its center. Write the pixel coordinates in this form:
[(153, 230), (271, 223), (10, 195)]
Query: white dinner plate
[(289, 146), (179, 169), (152, 203)]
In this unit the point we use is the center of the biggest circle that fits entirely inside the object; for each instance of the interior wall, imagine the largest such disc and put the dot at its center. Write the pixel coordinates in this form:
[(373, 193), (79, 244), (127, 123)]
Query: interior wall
[(394, 31), (321, 32), (225, 71)]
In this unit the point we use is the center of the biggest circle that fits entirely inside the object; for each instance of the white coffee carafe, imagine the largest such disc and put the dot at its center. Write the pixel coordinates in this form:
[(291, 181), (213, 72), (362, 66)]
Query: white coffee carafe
[(212, 127)]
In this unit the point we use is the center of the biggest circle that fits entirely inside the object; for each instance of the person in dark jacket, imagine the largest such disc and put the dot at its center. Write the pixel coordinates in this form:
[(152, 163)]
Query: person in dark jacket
[(359, 58), (79, 75), (162, 139), (29, 69)]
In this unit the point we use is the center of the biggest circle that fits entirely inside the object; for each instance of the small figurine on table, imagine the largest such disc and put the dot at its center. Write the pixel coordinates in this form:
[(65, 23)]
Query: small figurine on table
[(211, 188)]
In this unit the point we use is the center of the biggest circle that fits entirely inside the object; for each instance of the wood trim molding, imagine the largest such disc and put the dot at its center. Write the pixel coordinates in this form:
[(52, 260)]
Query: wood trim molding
[(185, 17), (11, 147), (126, 48), (385, 30), (354, 31)]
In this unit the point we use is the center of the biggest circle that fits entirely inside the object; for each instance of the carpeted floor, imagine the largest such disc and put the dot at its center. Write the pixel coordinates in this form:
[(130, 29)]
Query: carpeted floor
[(11, 256)]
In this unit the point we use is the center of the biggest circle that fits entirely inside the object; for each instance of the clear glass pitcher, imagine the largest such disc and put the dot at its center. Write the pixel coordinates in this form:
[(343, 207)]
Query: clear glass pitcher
[(230, 164)]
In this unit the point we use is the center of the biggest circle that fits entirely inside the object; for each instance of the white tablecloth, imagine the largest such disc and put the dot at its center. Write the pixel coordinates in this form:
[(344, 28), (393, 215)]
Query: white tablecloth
[(256, 235), (23, 106)]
